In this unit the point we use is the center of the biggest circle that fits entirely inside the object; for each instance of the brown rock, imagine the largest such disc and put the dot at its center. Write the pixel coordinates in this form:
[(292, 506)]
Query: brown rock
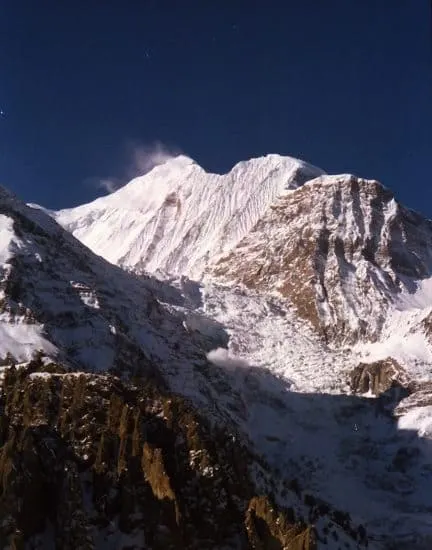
[(377, 377)]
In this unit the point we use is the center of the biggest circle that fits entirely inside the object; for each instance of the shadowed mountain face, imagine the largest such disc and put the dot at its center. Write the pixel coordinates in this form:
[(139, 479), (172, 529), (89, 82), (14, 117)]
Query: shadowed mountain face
[(90, 462), (282, 400)]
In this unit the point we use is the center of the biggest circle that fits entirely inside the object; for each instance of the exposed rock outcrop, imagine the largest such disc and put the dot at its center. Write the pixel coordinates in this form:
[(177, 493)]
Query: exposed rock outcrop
[(378, 377), (339, 248), (270, 529)]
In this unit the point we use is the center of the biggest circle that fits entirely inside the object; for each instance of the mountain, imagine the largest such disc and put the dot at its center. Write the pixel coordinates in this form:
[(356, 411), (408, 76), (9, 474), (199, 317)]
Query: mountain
[(343, 252), (177, 216), (317, 289), (116, 431), (275, 315)]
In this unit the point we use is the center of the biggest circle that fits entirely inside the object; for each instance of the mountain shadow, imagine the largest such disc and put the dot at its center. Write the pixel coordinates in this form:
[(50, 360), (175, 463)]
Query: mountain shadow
[(346, 450)]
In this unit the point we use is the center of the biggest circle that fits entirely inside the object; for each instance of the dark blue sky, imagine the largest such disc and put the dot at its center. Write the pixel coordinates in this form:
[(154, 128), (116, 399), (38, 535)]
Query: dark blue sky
[(344, 84)]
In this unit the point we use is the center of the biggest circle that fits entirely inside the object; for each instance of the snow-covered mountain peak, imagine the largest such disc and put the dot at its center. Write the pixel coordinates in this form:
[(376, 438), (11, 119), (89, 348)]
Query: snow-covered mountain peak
[(253, 165), (173, 165), (338, 246), (178, 217)]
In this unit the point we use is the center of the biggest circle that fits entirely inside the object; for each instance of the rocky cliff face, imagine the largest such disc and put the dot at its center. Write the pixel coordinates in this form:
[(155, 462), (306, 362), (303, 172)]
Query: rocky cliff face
[(341, 249), (378, 377), (89, 462)]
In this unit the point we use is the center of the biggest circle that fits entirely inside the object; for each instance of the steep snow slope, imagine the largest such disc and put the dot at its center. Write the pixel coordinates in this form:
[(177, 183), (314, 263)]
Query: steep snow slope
[(406, 333), (17, 339), (178, 217), (56, 296)]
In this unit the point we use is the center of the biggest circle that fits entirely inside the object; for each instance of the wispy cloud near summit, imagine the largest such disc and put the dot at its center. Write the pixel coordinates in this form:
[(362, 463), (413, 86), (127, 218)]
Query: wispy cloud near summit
[(141, 160), (145, 158)]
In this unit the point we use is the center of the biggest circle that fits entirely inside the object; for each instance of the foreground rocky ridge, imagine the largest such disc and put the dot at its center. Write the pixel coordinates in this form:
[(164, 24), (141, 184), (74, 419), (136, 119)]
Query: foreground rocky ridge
[(90, 462)]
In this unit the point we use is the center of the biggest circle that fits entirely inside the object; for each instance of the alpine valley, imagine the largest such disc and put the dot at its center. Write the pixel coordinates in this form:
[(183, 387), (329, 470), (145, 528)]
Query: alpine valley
[(204, 361)]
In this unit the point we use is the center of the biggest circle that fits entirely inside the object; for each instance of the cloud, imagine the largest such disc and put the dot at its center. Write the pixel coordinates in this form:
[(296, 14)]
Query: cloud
[(109, 185), (244, 377), (141, 159), (222, 358), (145, 158)]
